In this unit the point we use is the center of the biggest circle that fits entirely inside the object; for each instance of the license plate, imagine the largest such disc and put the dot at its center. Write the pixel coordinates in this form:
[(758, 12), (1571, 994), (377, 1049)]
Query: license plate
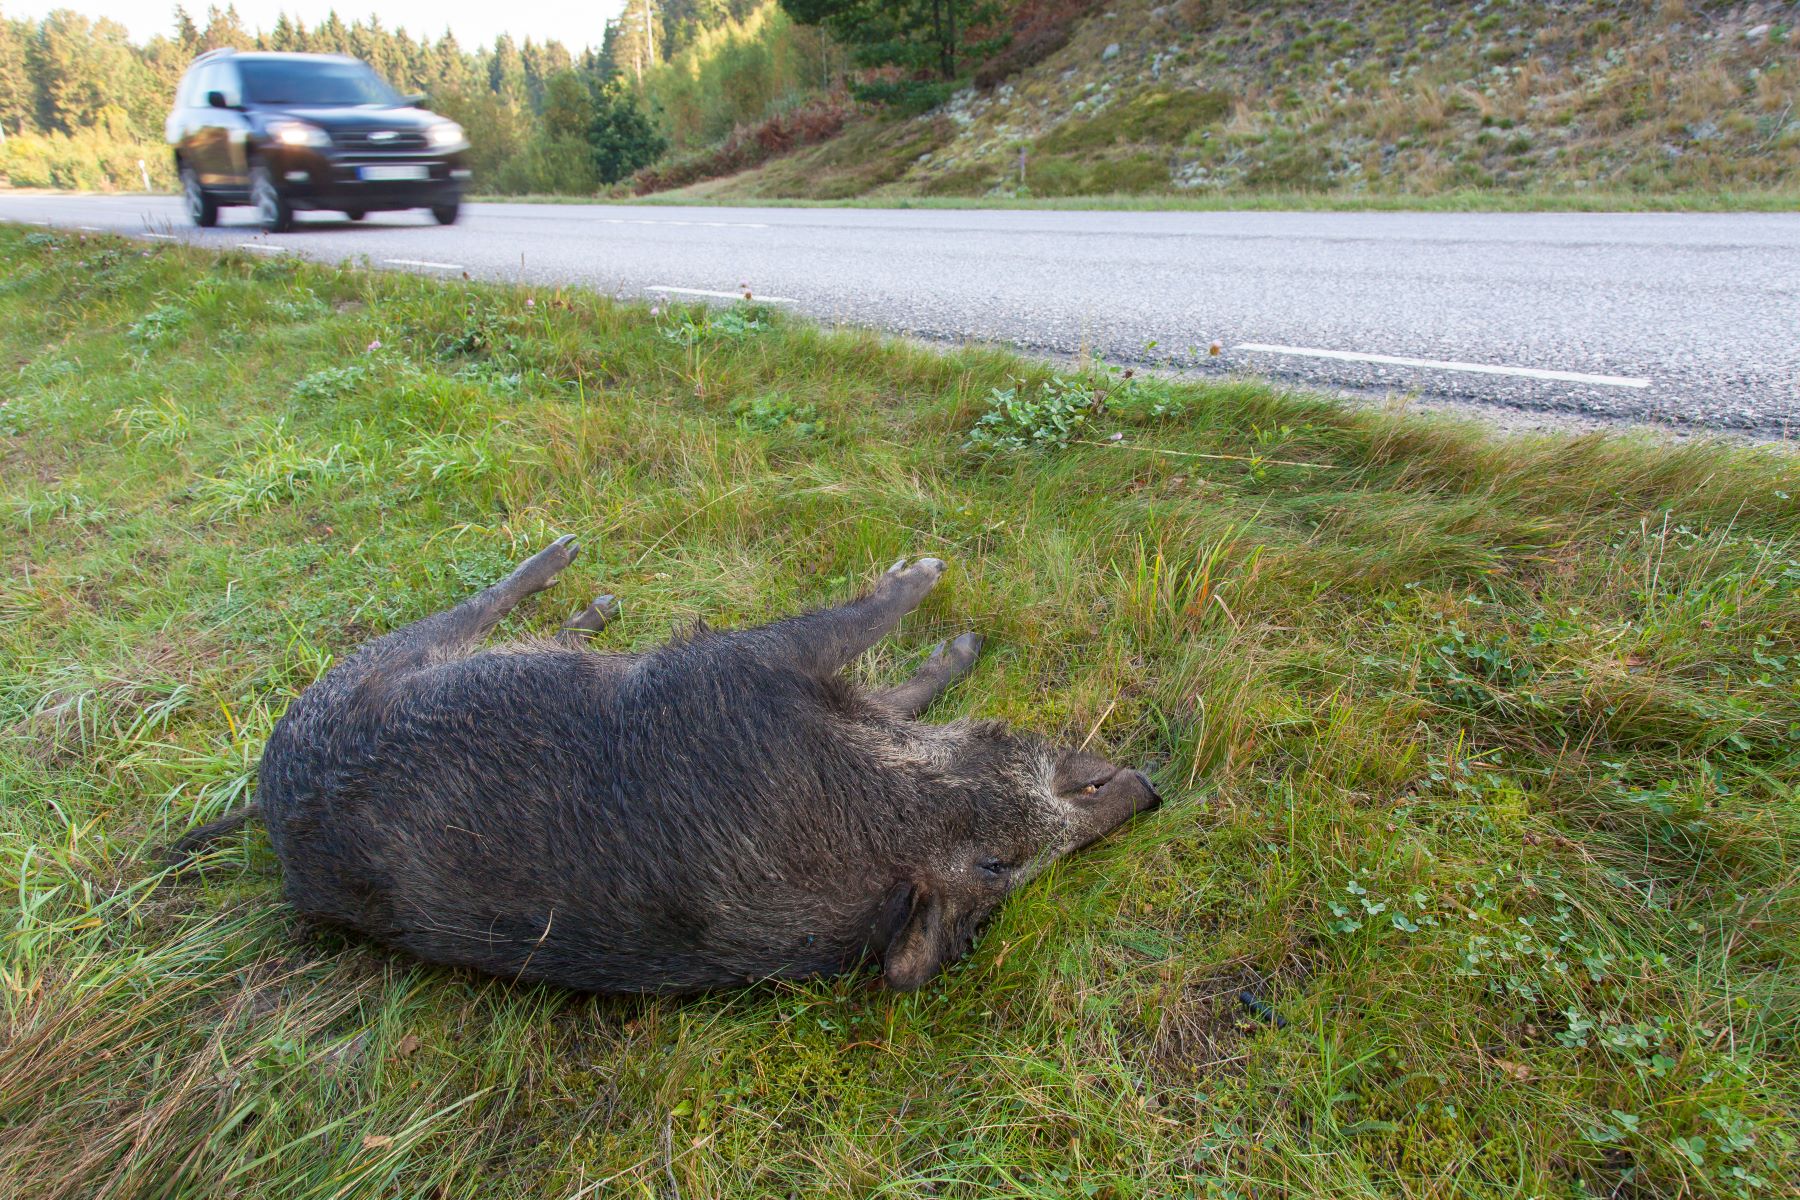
[(389, 174)]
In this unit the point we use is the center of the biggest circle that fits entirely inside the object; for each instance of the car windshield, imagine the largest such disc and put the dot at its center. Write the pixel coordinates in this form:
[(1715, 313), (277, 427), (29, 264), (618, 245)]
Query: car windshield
[(321, 83)]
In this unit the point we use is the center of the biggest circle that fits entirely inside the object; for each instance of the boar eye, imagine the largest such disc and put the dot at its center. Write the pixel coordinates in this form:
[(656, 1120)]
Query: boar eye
[(994, 866)]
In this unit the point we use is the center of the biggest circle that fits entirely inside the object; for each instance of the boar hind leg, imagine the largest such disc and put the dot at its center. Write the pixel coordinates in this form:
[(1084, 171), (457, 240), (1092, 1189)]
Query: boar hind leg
[(947, 664), (825, 642), (589, 621), (457, 630)]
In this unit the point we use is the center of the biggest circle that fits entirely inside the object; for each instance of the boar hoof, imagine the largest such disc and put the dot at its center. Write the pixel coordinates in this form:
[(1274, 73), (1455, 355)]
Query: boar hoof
[(953, 659), (589, 621), (542, 568), (916, 579), (934, 566), (959, 654)]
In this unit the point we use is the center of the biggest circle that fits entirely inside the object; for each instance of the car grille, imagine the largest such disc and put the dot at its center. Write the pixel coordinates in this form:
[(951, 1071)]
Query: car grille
[(368, 139)]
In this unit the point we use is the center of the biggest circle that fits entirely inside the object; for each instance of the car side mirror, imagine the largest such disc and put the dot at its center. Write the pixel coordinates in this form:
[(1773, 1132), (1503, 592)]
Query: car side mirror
[(413, 99), (216, 100)]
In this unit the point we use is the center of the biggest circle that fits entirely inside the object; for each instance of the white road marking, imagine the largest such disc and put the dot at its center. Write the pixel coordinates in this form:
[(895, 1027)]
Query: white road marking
[(1446, 365), (423, 262), (163, 237), (722, 295), (263, 246), (91, 228), (708, 224)]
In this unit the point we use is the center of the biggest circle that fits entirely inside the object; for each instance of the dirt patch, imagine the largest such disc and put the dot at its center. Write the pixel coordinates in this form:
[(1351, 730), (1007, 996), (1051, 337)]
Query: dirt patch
[(1201, 1030)]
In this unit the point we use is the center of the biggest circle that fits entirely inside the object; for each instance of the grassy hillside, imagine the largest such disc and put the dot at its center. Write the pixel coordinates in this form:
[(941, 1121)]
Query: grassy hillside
[(1414, 97), (1481, 760)]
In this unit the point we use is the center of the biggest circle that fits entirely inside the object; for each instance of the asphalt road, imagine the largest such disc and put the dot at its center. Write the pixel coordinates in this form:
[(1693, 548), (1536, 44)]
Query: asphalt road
[(1687, 319)]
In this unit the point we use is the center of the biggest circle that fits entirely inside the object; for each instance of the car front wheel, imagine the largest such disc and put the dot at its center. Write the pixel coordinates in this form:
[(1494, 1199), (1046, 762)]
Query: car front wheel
[(446, 214), (202, 209), (272, 208)]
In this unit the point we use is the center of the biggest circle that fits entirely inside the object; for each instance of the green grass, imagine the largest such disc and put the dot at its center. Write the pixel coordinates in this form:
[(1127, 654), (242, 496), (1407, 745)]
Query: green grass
[(1480, 755)]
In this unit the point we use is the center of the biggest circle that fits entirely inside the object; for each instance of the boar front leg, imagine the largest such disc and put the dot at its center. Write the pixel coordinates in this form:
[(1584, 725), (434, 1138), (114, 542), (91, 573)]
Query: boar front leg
[(825, 642), (949, 662)]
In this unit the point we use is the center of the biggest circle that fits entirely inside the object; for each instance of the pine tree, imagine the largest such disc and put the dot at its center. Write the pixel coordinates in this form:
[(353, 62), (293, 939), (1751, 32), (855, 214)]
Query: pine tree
[(631, 38), (87, 74), (164, 62), (531, 68), (682, 21), (921, 37), (596, 64), (506, 70), (187, 36), (329, 36), (375, 46), (287, 35), (453, 70), (416, 72), (18, 88), (225, 29)]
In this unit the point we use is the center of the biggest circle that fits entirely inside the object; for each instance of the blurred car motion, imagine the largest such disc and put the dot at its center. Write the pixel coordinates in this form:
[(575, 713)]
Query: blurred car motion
[(286, 132)]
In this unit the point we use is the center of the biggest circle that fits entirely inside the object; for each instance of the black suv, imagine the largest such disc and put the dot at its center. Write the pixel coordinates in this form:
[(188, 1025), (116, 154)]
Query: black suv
[(293, 131)]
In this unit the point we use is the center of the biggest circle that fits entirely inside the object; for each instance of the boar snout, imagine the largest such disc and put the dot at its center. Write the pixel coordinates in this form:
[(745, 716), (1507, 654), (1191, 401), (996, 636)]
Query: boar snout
[(1152, 797), (1103, 796)]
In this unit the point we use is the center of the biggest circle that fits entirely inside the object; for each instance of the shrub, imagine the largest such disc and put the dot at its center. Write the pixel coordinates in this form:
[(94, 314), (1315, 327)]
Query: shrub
[(619, 135), (1075, 176), (1039, 29), (815, 121), (329, 383), (1162, 117), (777, 414), (88, 161), (561, 166), (1049, 418), (734, 76), (160, 324), (905, 97)]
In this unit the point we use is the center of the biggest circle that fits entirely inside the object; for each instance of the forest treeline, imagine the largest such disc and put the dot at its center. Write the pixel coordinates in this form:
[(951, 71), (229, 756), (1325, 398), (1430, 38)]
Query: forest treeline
[(82, 105), (697, 84)]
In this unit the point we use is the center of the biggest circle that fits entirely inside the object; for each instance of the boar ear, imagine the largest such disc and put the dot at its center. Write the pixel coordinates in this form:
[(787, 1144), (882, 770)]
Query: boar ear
[(916, 951)]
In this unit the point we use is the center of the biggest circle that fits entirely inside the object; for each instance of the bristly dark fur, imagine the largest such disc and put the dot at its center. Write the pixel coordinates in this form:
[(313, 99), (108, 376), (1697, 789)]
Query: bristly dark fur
[(723, 809)]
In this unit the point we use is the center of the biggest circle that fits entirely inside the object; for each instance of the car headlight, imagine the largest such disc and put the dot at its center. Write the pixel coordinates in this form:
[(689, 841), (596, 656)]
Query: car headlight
[(444, 135), (298, 133)]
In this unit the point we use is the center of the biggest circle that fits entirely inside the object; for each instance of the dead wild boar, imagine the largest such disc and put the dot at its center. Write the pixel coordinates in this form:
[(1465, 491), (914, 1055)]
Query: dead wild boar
[(723, 809)]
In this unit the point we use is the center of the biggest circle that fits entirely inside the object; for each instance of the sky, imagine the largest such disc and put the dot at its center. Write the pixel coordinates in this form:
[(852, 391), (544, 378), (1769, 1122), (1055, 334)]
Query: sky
[(572, 22)]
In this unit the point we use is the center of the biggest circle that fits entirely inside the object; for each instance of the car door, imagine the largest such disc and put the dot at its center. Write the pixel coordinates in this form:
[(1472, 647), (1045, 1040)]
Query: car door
[(206, 129), (234, 166), (220, 133)]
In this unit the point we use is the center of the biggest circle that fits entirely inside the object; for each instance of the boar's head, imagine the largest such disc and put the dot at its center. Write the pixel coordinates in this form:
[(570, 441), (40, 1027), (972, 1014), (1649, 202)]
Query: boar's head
[(1037, 805)]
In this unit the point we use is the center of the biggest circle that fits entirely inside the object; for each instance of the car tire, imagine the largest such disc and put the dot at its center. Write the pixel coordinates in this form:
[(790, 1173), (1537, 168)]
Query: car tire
[(446, 214), (202, 209), (272, 208)]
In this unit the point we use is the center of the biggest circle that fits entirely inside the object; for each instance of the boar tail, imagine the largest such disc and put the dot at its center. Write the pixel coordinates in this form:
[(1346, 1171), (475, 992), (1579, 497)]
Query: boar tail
[(182, 852)]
